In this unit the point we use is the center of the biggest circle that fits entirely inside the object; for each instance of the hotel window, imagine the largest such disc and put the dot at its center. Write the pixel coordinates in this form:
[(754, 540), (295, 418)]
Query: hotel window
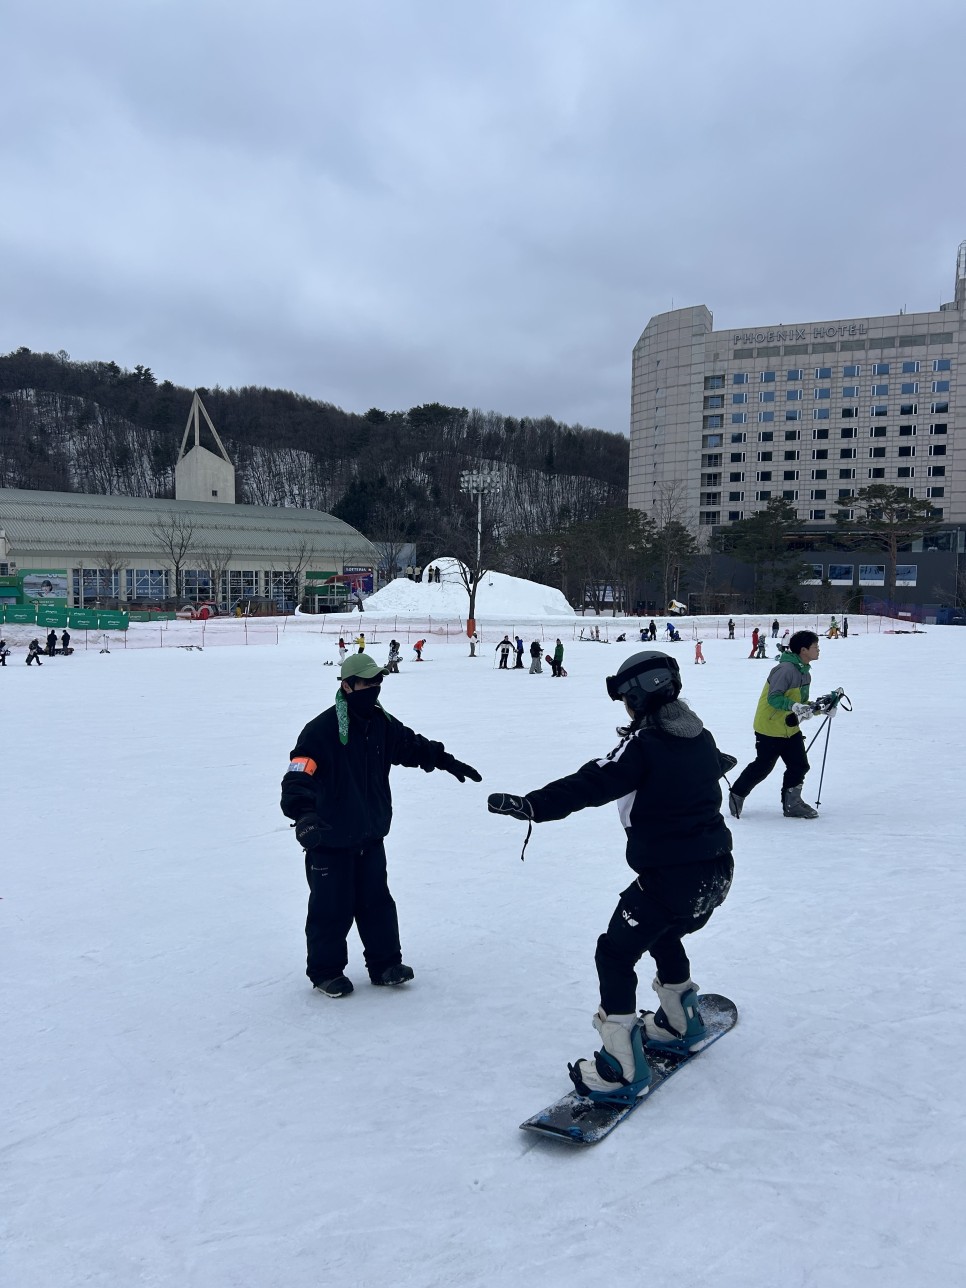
[(820, 454), (740, 378), (907, 449), (710, 460), (766, 395), (878, 431), (845, 492), (792, 435), (940, 386), (790, 495), (876, 453), (794, 395), (910, 368), (790, 476), (877, 473), (939, 409), (935, 491), (907, 431), (819, 433), (763, 496), (880, 368), (846, 474), (851, 369), (739, 399), (713, 400), (906, 472), (738, 438), (765, 417), (791, 456), (710, 498), (823, 373), (739, 418), (818, 494), (714, 382), (765, 456), (735, 516), (764, 476), (737, 476), (766, 377), (824, 392), (710, 440), (796, 373), (708, 518), (850, 391), (766, 436), (909, 387), (850, 413), (713, 422), (941, 364), (736, 496), (847, 453), (816, 514), (849, 432), (936, 471), (819, 474), (711, 480), (795, 414), (879, 409), (909, 409), (820, 413), (937, 429), (937, 449), (737, 458), (880, 391)]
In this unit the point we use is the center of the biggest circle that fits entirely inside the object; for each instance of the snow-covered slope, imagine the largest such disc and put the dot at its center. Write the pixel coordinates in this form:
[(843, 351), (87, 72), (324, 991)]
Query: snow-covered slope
[(498, 595)]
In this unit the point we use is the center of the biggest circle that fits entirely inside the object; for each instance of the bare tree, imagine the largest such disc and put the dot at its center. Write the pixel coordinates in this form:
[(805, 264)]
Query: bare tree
[(215, 563), (175, 537), (297, 559)]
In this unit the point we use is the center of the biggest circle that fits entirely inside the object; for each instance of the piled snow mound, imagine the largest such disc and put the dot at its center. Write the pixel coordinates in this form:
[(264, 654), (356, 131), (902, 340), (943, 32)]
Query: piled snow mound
[(499, 595)]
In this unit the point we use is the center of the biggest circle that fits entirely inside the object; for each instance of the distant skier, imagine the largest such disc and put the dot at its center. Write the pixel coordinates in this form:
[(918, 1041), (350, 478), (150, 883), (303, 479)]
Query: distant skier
[(65, 642), (762, 645), (342, 649), (781, 707), (336, 789), (418, 649), (556, 665), (474, 640), (699, 658), (754, 642), (51, 643), (665, 774), (518, 665), (360, 642), (4, 652), (395, 652), (775, 628), (33, 652), (536, 658), (652, 630), (504, 648), (731, 628)]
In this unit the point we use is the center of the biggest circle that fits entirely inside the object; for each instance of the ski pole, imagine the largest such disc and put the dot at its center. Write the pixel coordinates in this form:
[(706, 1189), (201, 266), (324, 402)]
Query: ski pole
[(821, 777)]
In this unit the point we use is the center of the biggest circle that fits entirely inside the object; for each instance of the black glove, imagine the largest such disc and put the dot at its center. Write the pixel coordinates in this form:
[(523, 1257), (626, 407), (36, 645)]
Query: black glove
[(516, 806), (310, 831), (461, 772), (727, 762)]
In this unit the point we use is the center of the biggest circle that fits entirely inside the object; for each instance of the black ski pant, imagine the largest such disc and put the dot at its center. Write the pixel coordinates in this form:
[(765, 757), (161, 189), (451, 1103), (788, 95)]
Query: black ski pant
[(346, 886), (504, 658), (653, 915), (768, 752)]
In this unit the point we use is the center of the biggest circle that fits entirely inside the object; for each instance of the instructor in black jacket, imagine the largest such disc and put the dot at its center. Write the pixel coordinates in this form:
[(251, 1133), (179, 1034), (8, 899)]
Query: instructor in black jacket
[(336, 789)]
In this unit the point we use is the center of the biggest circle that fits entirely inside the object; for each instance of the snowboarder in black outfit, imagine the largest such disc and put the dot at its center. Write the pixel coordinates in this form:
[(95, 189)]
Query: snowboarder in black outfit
[(336, 789), (504, 649), (33, 652), (665, 774), (51, 643), (4, 651)]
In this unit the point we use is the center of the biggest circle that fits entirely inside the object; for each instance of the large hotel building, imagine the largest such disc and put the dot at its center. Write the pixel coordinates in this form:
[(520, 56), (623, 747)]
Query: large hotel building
[(723, 421)]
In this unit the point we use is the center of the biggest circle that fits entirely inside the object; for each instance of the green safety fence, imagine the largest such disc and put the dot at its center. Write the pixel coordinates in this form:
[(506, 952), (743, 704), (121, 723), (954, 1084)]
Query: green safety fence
[(55, 617)]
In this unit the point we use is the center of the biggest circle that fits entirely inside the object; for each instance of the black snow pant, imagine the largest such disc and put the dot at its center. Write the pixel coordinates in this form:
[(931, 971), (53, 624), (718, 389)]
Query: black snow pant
[(653, 915), (768, 751), (504, 658), (346, 886)]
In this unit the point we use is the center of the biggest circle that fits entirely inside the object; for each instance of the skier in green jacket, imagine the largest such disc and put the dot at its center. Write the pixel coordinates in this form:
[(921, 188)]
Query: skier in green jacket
[(782, 705)]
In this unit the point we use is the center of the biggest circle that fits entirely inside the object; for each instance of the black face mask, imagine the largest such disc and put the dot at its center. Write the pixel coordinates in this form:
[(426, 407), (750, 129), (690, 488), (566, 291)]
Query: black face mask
[(362, 702)]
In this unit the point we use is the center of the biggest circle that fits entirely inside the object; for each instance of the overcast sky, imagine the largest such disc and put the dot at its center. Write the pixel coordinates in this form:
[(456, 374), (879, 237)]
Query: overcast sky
[(390, 202)]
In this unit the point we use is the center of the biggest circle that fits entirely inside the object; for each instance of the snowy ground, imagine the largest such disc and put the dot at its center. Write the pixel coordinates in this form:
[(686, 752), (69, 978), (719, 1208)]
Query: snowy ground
[(181, 1111)]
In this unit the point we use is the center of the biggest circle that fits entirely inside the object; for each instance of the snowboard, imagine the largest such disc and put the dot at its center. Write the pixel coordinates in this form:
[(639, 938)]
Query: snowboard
[(582, 1121), (549, 661)]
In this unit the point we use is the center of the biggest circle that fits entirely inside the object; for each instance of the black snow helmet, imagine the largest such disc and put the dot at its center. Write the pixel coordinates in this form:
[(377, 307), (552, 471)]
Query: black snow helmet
[(646, 680)]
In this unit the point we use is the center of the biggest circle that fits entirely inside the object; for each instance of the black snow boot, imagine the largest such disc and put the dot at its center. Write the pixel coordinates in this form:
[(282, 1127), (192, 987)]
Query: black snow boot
[(393, 975), (338, 987), (794, 807), (735, 803)]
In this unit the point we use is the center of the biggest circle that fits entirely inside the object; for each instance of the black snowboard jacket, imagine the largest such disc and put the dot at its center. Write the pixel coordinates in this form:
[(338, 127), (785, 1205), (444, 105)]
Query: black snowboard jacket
[(347, 785), (667, 793)]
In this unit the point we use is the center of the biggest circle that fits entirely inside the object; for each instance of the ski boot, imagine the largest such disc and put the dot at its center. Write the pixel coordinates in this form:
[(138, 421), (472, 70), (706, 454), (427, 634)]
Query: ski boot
[(619, 1070), (341, 986), (794, 807), (677, 1025), (735, 803), (394, 975)]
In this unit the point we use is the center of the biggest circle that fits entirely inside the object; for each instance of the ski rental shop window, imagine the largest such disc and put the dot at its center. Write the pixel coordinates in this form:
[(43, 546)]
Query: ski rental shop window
[(196, 585), (91, 584), (240, 585), (145, 583), (282, 586)]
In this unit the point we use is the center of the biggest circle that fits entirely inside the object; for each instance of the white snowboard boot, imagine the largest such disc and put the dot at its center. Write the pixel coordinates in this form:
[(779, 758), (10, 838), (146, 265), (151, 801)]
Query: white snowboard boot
[(677, 1025), (619, 1071)]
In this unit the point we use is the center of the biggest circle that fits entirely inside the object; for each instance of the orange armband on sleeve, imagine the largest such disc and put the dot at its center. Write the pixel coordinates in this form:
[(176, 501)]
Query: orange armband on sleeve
[(302, 765)]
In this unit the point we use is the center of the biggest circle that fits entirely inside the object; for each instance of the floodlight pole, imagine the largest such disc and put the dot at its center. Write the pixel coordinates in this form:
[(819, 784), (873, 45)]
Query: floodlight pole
[(476, 483)]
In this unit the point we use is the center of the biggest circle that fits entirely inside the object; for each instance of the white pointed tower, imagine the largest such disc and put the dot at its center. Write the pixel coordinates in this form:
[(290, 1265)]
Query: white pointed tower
[(200, 474)]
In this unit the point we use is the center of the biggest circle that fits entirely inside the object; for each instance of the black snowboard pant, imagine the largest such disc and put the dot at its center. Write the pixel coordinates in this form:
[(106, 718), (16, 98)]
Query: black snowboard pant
[(768, 752), (346, 886), (653, 915), (504, 658)]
